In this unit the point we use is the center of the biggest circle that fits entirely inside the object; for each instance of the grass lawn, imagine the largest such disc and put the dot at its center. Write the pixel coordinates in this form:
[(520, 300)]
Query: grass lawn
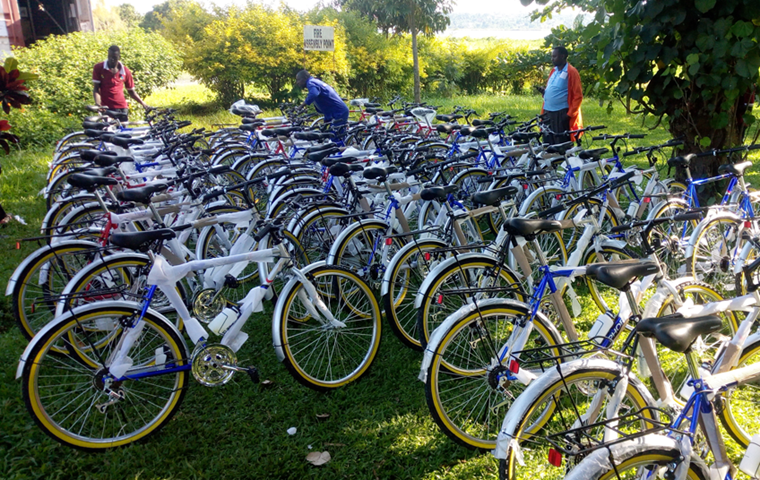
[(379, 427)]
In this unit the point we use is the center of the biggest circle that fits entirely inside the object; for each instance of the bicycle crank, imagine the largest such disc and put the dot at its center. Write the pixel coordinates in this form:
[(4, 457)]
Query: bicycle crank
[(214, 365)]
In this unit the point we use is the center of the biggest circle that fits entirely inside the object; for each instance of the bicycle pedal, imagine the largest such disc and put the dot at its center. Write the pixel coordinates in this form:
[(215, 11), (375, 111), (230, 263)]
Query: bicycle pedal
[(253, 373)]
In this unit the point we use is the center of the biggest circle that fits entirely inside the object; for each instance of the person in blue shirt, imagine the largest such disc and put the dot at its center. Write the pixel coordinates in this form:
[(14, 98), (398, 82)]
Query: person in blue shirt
[(324, 98), (563, 96)]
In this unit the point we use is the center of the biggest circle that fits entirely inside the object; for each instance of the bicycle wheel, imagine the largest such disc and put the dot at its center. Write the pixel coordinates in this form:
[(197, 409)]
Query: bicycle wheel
[(713, 255), (42, 278), (317, 229), (462, 390), (555, 407), (739, 412), (409, 268), (669, 238), (653, 457), (471, 277), (320, 354), (605, 297), (71, 398), (361, 251), (706, 347)]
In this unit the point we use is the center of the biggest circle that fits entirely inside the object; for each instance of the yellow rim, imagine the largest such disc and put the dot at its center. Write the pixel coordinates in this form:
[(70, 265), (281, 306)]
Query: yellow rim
[(439, 364), (51, 427), (367, 360)]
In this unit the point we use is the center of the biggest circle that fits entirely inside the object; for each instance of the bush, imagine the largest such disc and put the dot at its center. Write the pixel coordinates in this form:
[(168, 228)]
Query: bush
[(64, 65), (39, 127)]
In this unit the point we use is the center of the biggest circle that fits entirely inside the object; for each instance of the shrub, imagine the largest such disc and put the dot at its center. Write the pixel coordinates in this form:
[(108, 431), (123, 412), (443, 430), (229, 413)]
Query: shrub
[(64, 65)]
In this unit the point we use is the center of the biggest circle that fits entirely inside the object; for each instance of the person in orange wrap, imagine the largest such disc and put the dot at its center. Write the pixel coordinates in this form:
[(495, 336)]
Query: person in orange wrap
[(562, 99)]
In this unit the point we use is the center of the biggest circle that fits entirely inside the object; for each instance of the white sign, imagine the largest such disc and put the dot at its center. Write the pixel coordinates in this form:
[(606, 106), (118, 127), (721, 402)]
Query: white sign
[(320, 38)]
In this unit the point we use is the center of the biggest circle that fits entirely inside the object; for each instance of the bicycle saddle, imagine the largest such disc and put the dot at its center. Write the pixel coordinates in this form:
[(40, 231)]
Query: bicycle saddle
[(140, 240), (140, 195), (493, 197), (311, 136), (125, 142), (447, 118), (373, 109), (94, 125), (251, 127), (678, 333), (478, 122), (438, 193), (559, 148), (110, 160), (524, 137), (619, 275), (594, 153), (524, 227), (253, 121), (341, 169), (378, 173), (329, 162), (86, 182), (318, 156), (92, 133), (736, 169), (447, 128), (482, 132), (89, 155)]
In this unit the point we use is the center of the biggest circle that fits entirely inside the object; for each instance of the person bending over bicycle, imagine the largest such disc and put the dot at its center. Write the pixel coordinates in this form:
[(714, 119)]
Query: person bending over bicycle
[(325, 100)]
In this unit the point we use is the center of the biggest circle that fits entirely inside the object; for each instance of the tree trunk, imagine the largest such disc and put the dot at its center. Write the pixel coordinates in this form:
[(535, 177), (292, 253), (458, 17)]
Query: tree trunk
[(416, 63), (688, 128)]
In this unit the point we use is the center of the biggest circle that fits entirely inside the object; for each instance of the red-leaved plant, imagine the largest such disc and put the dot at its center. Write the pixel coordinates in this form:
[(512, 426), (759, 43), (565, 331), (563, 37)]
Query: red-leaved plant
[(12, 95)]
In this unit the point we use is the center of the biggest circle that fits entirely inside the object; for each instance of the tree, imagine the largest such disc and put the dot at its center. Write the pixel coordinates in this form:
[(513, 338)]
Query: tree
[(690, 63), (255, 45), (162, 11), (406, 16), (129, 15), (106, 18)]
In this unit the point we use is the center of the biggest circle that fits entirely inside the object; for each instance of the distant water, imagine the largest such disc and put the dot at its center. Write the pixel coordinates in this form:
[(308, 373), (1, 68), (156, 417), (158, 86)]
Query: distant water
[(497, 33)]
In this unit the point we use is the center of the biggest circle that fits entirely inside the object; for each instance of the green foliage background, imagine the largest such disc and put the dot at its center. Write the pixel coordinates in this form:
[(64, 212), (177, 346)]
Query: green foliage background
[(64, 65)]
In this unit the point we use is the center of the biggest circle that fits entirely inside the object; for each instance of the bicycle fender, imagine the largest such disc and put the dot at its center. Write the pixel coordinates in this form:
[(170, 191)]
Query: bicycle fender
[(280, 305), (86, 271), (30, 258), (609, 242), (437, 335), (409, 246), (444, 264), (599, 459), (530, 395), (698, 230), (653, 211), (83, 310), (357, 225)]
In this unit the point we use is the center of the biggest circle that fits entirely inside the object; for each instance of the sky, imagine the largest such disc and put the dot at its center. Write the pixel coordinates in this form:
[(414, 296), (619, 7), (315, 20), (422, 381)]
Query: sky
[(510, 7)]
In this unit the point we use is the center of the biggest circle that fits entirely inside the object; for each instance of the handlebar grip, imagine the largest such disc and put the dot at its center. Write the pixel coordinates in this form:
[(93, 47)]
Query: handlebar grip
[(632, 152), (638, 135), (599, 137), (620, 228), (263, 232), (597, 127), (622, 179), (687, 217), (551, 211)]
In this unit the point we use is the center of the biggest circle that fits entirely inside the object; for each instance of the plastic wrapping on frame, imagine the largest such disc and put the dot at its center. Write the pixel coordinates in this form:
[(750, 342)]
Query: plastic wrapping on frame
[(598, 462)]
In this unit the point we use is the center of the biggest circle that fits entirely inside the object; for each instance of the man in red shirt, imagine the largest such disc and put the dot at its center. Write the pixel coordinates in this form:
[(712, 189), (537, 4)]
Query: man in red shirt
[(109, 79)]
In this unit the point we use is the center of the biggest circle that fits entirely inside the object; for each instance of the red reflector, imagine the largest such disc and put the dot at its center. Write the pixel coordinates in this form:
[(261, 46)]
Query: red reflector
[(525, 186), (388, 241), (558, 196), (647, 199), (427, 256), (747, 224), (32, 307), (514, 367), (440, 299), (555, 458), (18, 245)]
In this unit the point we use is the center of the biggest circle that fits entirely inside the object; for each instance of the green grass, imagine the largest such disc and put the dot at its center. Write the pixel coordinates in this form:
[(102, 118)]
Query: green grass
[(379, 427)]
